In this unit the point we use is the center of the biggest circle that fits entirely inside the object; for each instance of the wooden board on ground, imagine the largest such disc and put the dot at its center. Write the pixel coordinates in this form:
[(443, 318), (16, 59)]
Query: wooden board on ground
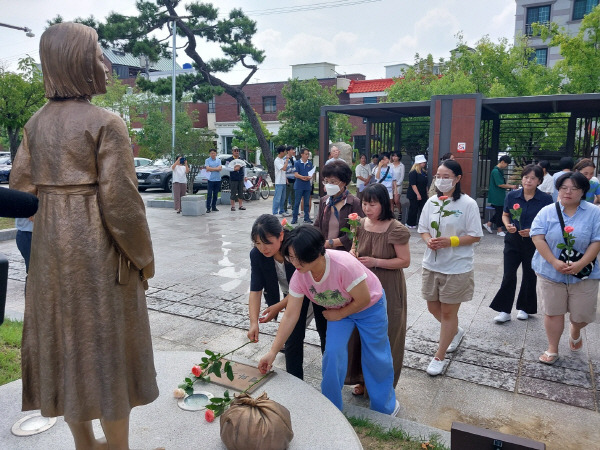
[(243, 376)]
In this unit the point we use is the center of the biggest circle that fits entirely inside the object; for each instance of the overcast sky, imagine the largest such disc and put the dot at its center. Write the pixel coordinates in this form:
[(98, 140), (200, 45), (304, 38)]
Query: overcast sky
[(357, 35)]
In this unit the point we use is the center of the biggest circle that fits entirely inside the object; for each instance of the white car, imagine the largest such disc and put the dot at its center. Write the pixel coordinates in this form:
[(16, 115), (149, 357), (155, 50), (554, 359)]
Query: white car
[(250, 171), (141, 162)]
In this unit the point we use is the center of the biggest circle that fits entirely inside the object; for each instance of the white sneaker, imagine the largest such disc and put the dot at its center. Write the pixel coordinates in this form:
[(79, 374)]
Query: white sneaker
[(501, 234), (284, 214), (456, 340), (488, 228), (396, 409), (522, 315), (502, 317), (435, 367)]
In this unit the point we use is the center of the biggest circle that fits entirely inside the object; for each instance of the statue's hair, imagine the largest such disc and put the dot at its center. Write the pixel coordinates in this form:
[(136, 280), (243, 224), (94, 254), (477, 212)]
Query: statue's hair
[(69, 63)]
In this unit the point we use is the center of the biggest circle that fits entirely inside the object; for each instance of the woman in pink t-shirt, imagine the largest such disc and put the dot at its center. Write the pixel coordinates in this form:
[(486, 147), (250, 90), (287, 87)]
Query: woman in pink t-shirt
[(353, 297)]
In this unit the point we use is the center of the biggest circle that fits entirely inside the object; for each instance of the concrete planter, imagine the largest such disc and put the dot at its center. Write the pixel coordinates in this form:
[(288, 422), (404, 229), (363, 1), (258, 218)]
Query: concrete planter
[(160, 204), (193, 205), (225, 198)]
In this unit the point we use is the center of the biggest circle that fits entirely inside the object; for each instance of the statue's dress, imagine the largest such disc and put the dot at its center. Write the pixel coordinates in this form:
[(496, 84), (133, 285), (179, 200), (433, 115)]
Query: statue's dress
[(87, 349)]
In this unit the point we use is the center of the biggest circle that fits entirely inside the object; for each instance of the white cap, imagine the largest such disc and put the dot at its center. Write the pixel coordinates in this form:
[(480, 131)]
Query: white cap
[(420, 159)]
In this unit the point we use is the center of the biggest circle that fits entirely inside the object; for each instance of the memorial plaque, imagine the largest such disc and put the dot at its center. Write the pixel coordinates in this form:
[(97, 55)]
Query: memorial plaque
[(243, 376), (463, 436)]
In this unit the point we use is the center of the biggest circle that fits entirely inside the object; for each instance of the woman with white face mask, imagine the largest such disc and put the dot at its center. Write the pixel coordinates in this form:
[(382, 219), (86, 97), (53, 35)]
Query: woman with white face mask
[(447, 278), (337, 205)]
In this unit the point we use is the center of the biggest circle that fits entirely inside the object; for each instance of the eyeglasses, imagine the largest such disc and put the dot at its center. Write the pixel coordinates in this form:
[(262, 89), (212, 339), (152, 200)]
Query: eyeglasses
[(326, 181), (568, 189), (291, 259)]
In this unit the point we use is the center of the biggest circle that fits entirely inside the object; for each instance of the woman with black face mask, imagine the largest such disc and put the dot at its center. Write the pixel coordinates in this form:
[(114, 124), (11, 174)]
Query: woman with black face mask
[(337, 205)]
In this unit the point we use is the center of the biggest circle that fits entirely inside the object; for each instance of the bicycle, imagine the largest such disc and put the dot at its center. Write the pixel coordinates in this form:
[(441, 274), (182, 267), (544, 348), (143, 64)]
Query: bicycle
[(260, 185)]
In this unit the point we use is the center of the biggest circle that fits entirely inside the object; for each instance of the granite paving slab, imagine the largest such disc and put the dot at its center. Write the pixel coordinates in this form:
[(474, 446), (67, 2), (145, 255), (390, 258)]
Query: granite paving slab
[(482, 375), (569, 360), (204, 301), (419, 361), (168, 294), (556, 392), (596, 371), (181, 309), (157, 304), (486, 359), (417, 344), (186, 289), (557, 374), (222, 317), (234, 307)]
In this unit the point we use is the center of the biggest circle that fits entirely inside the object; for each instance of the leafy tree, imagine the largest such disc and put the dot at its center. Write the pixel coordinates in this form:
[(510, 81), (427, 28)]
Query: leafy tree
[(300, 116), (200, 22), (580, 53), (21, 95), (245, 137)]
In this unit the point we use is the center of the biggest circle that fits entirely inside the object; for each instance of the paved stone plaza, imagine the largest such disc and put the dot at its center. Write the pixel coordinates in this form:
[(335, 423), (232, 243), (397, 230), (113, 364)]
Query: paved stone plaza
[(198, 300)]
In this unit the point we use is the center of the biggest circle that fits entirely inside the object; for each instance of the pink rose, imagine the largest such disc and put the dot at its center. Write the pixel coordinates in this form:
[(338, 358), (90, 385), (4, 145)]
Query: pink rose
[(569, 229), (283, 222), (353, 216), (178, 393), (516, 206), (209, 415), (443, 197), (196, 371)]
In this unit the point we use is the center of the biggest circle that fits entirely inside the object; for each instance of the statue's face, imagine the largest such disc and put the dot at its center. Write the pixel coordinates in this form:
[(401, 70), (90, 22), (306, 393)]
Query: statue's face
[(101, 71)]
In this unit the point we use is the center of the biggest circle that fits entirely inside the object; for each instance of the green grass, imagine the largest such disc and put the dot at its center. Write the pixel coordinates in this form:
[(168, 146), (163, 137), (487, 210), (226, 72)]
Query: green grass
[(374, 437), (10, 351), (6, 223)]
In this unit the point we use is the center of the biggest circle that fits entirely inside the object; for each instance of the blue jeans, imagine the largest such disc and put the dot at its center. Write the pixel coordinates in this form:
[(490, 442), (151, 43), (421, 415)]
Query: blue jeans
[(211, 196), (302, 194), (24, 245), (376, 354), (279, 199)]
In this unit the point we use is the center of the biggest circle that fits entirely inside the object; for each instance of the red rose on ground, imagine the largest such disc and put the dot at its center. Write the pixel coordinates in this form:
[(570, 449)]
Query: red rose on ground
[(283, 222), (353, 216), (516, 206), (569, 229), (209, 415), (443, 197), (196, 371)]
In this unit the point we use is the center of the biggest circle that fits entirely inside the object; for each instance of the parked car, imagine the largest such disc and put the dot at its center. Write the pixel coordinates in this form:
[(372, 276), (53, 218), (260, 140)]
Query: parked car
[(141, 161), (157, 175), (5, 166), (251, 171)]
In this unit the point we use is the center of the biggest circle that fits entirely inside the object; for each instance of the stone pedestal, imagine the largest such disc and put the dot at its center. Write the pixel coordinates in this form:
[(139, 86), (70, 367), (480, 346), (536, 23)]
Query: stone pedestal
[(193, 205), (160, 204)]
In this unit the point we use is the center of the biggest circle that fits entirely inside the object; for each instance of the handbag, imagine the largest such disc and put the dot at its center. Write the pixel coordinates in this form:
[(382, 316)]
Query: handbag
[(573, 255)]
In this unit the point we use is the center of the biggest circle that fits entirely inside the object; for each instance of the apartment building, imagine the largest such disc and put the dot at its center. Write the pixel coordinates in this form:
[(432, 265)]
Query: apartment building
[(565, 13)]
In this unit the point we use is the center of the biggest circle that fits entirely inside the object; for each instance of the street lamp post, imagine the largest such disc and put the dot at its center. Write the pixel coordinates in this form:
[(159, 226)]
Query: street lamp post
[(27, 31)]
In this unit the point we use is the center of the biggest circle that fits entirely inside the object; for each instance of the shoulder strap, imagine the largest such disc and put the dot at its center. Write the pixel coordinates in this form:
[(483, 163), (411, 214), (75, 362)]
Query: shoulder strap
[(385, 174), (562, 221)]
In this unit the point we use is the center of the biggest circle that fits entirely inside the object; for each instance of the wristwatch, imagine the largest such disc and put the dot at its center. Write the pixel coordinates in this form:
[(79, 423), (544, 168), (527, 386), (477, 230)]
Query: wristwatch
[(330, 243)]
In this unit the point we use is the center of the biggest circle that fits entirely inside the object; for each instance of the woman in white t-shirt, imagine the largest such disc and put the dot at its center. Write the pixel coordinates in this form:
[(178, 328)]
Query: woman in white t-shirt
[(179, 181), (447, 278), (547, 185), (385, 175), (363, 174), (398, 169)]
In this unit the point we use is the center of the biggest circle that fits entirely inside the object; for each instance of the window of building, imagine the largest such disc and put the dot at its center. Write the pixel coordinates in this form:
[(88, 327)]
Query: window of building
[(583, 7), (536, 14), (269, 105), (540, 56), (211, 105), (369, 99)]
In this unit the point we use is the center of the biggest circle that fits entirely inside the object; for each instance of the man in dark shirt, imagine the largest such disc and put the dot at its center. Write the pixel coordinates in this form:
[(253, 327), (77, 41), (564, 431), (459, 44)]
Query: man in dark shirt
[(497, 193), (236, 180), (290, 198), (302, 186)]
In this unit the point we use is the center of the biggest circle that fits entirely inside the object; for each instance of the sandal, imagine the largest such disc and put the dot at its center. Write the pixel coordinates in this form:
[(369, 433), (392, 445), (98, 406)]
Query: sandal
[(233, 208), (359, 389), (573, 344), (241, 208), (548, 358)]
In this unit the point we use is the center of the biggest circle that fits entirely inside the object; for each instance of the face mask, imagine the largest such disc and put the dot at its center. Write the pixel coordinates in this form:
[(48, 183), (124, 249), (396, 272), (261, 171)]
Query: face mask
[(444, 184), (332, 189)]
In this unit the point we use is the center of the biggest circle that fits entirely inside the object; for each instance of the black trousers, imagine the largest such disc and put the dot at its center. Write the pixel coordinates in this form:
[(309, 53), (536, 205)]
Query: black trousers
[(294, 347), (497, 217), (414, 209), (517, 251)]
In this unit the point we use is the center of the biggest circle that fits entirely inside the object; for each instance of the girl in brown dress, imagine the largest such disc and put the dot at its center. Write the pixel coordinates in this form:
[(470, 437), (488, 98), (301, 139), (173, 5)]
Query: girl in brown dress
[(87, 349), (383, 248)]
